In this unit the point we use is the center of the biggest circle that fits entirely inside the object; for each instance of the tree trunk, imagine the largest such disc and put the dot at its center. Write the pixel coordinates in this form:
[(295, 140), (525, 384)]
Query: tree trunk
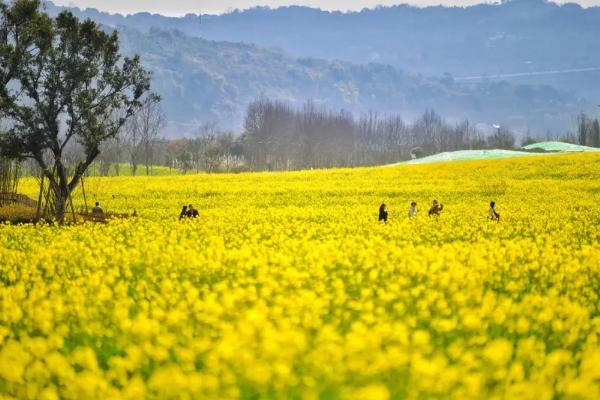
[(61, 187), (38, 212), (148, 157), (61, 206)]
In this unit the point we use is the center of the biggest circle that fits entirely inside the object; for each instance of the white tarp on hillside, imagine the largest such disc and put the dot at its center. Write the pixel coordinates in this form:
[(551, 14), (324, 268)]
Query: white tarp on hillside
[(463, 155), (560, 147)]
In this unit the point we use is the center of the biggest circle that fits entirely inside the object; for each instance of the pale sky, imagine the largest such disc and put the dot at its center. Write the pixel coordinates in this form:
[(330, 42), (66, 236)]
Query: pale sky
[(180, 7)]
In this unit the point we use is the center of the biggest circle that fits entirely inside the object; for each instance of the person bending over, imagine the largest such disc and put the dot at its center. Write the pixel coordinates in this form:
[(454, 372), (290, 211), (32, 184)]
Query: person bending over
[(192, 212), (492, 213), (436, 209)]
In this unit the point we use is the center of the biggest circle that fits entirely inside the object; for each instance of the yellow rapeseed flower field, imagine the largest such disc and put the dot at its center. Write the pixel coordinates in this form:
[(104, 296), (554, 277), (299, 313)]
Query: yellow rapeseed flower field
[(288, 287)]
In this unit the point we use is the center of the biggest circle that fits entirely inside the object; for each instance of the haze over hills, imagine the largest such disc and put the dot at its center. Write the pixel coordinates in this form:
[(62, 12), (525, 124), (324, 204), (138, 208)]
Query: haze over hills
[(205, 72), (204, 80), (492, 39)]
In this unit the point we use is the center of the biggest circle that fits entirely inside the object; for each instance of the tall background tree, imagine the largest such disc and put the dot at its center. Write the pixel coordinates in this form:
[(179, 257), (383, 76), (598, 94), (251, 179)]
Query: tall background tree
[(62, 81), (141, 132), (588, 131), (502, 138)]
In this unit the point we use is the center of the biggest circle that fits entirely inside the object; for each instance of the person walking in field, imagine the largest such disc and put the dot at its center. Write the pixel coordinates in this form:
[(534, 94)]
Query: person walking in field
[(183, 213), (383, 213), (492, 213), (436, 209), (97, 210), (192, 212), (413, 210)]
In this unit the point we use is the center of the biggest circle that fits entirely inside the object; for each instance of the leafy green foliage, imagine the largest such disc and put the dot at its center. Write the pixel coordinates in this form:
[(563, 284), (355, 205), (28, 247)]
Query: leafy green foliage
[(64, 82)]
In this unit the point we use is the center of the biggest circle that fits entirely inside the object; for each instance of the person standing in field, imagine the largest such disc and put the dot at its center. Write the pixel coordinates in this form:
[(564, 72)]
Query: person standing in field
[(436, 209), (192, 212), (183, 213), (413, 210), (492, 213), (383, 213)]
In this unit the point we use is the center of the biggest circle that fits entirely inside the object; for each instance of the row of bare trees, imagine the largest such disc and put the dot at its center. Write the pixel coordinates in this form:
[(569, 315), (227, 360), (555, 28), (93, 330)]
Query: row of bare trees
[(588, 131), (136, 143), (139, 144), (277, 137)]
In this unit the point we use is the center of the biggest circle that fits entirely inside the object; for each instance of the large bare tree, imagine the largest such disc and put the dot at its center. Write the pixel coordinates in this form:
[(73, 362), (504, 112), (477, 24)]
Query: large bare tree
[(141, 132)]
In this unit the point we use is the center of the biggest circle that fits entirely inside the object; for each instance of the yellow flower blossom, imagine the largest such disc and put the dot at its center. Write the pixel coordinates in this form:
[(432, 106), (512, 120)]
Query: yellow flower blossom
[(287, 287)]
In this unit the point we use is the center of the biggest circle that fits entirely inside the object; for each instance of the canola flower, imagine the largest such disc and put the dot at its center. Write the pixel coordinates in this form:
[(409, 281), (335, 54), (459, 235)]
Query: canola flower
[(287, 287)]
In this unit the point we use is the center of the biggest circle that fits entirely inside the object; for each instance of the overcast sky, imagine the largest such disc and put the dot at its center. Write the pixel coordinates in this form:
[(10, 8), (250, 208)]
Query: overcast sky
[(180, 7)]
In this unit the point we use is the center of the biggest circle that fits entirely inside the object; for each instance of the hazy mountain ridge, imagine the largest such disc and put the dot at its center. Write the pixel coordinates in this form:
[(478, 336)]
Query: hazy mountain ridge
[(203, 80), (462, 41)]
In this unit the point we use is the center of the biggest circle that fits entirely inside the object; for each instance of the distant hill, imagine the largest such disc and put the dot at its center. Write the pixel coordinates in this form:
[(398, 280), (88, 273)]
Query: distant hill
[(516, 36), (202, 79)]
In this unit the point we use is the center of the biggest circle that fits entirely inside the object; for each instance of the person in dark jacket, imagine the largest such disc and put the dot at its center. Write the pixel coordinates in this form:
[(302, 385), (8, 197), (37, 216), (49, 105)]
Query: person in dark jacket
[(383, 213), (183, 213), (436, 209), (192, 212)]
